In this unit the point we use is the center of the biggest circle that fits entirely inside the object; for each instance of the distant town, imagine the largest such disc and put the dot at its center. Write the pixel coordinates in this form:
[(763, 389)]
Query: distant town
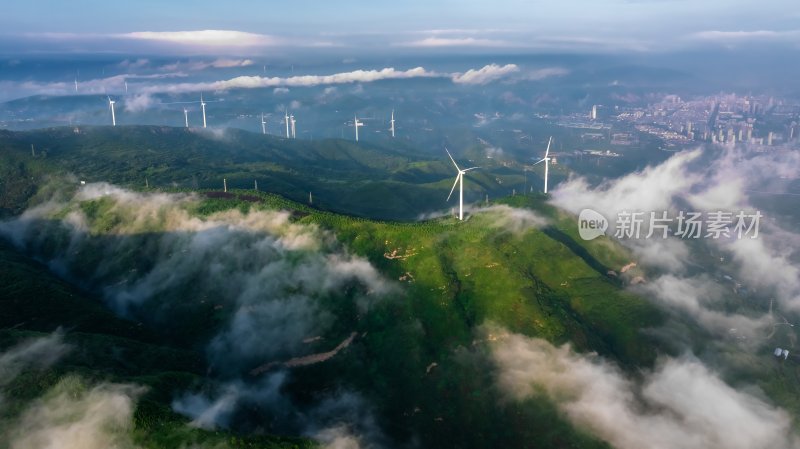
[(727, 118)]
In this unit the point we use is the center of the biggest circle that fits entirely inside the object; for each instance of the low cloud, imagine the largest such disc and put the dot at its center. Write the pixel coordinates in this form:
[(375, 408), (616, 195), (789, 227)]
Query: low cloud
[(37, 353), (698, 299), (512, 219), (207, 38), (221, 63), (492, 152), (705, 180), (680, 403), (116, 84), (139, 103), (252, 82), (547, 72), (133, 64), (484, 75), (652, 189), (433, 42), (70, 416), (741, 36)]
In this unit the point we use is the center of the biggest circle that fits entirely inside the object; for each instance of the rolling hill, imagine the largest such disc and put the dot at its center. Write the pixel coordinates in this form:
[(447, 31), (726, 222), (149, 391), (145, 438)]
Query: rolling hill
[(249, 312), (395, 182)]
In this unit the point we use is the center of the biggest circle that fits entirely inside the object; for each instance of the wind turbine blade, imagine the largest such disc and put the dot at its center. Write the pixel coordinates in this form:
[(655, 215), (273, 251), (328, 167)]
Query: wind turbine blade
[(546, 153), (454, 186), (468, 169), (451, 158), (540, 161)]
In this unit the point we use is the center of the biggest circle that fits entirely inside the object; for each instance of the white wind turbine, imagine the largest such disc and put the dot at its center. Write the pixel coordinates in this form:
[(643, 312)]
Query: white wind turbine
[(392, 122), (356, 124), (294, 129), (460, 181), (113, 117), (546, 160), (286, 120), (203, 105), (263, 124), (186, 116)]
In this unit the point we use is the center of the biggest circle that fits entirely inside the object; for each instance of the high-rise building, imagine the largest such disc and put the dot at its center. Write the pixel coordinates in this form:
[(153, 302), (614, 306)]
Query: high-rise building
[(688, 128), (769, 138)]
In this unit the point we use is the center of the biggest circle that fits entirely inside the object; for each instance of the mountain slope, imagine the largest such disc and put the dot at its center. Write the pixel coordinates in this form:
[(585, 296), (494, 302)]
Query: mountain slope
[(418, 356), (365, 179)]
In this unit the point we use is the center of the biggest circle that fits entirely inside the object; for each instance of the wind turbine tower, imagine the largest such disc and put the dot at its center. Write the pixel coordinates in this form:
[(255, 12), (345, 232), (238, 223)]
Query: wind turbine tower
[(294, 129), (186, 116), (460, 182), (392, 123), (76, 85), (203, 105), (356, 124), (286, 120), (263, 124), (546, 160), (113, 117)]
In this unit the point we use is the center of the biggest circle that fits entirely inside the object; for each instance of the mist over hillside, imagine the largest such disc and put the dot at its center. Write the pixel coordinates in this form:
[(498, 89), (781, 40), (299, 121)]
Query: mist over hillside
[(399, 225)]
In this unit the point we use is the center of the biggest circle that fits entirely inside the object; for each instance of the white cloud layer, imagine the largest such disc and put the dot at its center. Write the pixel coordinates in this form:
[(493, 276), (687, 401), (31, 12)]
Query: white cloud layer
[(72, 417), (679, 404), (213, 38), (484, 75)]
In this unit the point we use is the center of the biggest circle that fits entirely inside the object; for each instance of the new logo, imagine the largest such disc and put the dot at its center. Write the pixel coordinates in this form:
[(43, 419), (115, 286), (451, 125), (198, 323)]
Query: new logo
[(591, 224)]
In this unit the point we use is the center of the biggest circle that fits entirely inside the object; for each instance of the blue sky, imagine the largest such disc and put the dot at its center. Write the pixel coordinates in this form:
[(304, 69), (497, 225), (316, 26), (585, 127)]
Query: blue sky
[(636, 25)]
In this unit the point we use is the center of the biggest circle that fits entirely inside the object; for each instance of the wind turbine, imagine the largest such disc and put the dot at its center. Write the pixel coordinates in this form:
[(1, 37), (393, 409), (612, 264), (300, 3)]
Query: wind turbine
[(294, 123), (392, 122), (186, 116), (263, 124), (460, 181), (113, 117), (286, 120), (203, 105), (356, 124), (546, 160), (76, 85)]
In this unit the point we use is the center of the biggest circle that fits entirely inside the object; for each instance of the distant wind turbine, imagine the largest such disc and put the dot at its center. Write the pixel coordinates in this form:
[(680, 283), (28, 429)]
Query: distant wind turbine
[(203, 105), (392, 122), (113, 117), (356, 124), (263, 124), (186, 116), (76, 85), (460, 181), (126, 87), (294, 123), (286, 120), (546, 160)]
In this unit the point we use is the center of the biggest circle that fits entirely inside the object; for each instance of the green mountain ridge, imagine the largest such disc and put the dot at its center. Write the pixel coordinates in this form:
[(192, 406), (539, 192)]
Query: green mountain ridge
[(368, 180), (419, 357)]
